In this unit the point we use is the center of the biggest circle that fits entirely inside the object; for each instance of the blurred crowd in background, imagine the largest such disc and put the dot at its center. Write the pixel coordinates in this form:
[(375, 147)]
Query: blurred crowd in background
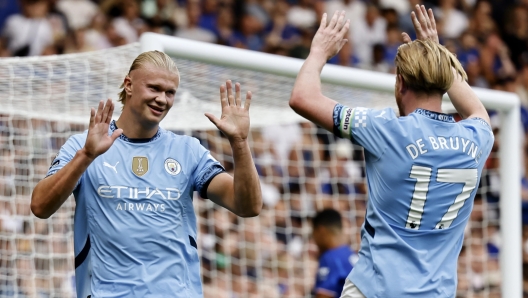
[(489, 36), (272, 255)]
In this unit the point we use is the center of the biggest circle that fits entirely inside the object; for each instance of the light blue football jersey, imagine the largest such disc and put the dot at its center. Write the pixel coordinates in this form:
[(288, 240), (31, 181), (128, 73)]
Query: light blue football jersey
[(134, 226), (422, 173)]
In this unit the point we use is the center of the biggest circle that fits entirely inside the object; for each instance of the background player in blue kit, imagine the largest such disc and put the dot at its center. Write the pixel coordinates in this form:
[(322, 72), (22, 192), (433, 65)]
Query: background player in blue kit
[(422, 168), (335, 256), (133, 182)]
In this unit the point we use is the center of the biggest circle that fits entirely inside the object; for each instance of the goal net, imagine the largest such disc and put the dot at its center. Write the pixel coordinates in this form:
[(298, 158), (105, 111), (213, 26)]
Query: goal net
[(303, 169)]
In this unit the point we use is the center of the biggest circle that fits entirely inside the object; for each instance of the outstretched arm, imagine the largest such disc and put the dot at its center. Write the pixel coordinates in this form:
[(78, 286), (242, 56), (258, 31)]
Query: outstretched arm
[(307, 98), (50, 193), (462, 96), (240, 194)]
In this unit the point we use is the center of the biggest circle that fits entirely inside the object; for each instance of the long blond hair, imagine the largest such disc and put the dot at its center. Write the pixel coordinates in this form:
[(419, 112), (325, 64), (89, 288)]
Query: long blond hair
[(427, 66), (154, 58)]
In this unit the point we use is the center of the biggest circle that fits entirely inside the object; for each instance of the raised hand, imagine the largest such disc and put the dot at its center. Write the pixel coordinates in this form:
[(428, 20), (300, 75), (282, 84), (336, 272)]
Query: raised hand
[(98, 141), (330, 38), (234, 122), (424, 25)]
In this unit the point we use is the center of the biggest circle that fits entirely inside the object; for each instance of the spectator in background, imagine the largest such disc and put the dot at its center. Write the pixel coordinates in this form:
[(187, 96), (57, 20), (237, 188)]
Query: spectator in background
[(336, 258), (168, 14), (378, 59), (366, 32), (79, 13), (453, 20), (8, 8), (401, 6), (96, 35), (77, 42), (391, 17), (516, 34), (468, 50), (346, 56), (209, 16), (302, 49), (522, 82), (302, 15), (29, 33), (129, 25), (482, 23), (113, 36), (224, 25), (524, 183), (282, 34), (192, 30), (496, 64), (248, 33), (474, 72), (59, 25), (354, 9), (336, 179), (391, 46)]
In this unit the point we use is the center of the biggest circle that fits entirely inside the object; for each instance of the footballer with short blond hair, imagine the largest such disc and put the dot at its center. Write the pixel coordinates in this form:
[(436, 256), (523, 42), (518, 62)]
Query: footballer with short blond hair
[(133, 183), (422, 167)]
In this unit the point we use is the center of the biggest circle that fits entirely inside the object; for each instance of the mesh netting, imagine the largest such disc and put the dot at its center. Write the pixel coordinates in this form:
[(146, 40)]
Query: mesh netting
[(303, 169)]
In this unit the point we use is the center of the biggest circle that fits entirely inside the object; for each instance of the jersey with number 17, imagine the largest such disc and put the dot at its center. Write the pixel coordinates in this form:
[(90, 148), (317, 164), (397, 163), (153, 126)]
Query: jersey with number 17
[(422, 173)]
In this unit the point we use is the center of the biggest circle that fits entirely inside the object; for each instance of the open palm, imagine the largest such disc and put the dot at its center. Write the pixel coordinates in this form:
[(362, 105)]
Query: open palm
[(330, 38), (234, 121), (98, 141), (424, 25)]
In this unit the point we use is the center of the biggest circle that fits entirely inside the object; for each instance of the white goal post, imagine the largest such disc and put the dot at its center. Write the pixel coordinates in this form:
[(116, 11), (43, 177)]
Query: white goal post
[(507, 104)]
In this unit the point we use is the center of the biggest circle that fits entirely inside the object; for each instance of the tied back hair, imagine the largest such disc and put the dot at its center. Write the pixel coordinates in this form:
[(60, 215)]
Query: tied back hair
[(153, 58)]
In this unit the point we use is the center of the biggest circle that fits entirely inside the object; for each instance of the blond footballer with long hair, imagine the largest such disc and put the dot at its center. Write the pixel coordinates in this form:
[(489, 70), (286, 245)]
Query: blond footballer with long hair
[(133, 182), (423, 168)]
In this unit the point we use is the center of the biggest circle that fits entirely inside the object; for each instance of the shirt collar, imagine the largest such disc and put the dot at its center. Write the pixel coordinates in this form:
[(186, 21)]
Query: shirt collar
[(435, 115), (113, 126)]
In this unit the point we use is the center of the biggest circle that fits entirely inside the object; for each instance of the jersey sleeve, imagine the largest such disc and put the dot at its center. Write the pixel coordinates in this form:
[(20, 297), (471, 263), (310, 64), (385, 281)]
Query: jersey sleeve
[(207, 168), (482, 132), (365, 127), (65, 155)]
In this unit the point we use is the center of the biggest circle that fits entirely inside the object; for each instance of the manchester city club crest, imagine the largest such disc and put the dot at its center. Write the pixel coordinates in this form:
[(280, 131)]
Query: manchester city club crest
[(140, 165), (172, 166)]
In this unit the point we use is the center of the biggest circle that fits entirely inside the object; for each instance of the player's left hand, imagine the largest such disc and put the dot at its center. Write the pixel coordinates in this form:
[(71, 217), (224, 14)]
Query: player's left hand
[(234, 122), (424, 25)]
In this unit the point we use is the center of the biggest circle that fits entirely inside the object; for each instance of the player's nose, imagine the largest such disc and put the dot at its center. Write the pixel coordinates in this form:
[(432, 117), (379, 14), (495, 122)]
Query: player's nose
[(161, 99)]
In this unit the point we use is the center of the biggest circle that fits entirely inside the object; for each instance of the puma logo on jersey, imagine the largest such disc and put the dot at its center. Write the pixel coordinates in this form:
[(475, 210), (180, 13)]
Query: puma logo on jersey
[(111, 166), (381, 115)]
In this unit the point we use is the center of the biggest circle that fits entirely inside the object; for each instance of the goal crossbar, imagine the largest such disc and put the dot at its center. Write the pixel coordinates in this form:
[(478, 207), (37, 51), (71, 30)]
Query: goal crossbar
[(506, 103)]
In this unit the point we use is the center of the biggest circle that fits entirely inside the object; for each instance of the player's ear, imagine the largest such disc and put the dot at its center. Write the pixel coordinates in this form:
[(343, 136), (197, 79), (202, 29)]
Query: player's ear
[(127, 85), (401, 86)]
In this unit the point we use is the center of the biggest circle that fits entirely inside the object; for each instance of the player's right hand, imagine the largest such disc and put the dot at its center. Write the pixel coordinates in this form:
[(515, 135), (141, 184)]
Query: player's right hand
[(330, 38), (424, 25), (98, 141)]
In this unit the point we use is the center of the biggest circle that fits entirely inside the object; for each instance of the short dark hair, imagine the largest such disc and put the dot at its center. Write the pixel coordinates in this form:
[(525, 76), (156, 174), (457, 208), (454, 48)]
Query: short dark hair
[(329, 218)]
